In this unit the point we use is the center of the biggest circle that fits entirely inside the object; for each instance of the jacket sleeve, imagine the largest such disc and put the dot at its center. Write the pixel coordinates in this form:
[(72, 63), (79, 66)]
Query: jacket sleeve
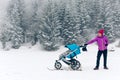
[(107, 41), (92, 41)]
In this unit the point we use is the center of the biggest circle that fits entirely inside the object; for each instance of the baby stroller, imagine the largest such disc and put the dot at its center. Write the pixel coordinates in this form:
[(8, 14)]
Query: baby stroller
[(70, 54)]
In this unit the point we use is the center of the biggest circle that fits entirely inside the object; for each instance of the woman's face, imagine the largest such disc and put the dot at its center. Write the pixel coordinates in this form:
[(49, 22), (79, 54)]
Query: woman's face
[(99, 35)]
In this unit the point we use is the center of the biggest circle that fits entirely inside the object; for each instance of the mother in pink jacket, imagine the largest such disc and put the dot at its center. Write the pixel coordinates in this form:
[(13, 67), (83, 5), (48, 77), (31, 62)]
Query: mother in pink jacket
[(102, 42)]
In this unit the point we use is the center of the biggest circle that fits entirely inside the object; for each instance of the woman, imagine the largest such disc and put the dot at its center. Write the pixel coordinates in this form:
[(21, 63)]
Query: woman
[(102, 42)]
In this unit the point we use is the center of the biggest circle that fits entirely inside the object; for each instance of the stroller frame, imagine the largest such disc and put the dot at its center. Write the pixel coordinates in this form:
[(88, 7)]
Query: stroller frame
[(73, 63)]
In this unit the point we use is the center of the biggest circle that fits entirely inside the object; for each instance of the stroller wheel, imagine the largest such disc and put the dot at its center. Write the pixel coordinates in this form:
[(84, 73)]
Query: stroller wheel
[(75, 65), (58, 65)]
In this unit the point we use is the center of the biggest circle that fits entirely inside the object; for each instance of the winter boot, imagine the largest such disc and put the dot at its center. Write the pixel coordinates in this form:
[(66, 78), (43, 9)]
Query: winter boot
[(106, 68), (96, 68)]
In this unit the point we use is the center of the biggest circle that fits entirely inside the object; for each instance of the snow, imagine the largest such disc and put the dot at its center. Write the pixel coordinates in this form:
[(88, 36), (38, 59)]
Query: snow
[(32, 63)]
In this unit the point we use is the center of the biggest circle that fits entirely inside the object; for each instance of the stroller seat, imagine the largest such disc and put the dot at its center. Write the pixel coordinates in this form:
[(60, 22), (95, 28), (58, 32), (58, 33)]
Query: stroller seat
[(75, 50)]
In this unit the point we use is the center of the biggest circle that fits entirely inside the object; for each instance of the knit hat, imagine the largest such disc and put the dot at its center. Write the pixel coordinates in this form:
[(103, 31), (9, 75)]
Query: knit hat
[(101, 31)]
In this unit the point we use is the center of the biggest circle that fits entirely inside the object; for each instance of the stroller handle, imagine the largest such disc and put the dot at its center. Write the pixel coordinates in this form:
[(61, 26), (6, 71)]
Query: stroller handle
[(83, 48)]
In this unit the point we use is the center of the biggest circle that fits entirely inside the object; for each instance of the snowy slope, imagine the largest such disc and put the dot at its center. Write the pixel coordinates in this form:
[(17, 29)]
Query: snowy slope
[(31, 64)]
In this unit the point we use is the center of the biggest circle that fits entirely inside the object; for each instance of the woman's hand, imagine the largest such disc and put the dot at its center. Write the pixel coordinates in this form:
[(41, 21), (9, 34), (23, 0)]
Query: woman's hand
[(106, 44)]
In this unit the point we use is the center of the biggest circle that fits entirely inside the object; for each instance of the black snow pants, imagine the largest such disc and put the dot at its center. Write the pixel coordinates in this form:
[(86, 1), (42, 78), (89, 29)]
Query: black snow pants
[(104, 57)]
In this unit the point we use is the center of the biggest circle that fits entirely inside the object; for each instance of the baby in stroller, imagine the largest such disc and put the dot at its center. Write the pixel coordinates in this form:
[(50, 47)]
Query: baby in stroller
[(70, 54)]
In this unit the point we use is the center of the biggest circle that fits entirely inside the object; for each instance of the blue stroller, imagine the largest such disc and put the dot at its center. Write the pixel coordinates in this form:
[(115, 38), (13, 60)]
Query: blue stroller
[(70, 54)]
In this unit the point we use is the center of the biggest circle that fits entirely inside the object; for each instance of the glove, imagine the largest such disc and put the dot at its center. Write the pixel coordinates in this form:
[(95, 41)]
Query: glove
[(84, 49), (106, 44)]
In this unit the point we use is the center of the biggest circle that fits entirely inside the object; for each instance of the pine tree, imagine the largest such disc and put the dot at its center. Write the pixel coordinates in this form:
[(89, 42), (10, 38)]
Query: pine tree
[(105, 19), (34, 24), (70, 30), (93, 8), (15, 14), (82, 19), (50, 26), (61, 17), (5, 34), (116, 19)]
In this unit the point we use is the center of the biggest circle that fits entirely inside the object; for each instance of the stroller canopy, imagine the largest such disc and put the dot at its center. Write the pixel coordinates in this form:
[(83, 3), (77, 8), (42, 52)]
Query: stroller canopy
[(74, 48)]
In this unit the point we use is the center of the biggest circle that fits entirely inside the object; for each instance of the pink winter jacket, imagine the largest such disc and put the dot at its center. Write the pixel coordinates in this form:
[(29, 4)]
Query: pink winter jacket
[(102, 42)]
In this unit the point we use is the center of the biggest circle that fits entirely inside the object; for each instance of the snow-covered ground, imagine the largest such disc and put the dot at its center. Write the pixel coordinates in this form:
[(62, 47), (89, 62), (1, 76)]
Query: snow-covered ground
[(32, 64)]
